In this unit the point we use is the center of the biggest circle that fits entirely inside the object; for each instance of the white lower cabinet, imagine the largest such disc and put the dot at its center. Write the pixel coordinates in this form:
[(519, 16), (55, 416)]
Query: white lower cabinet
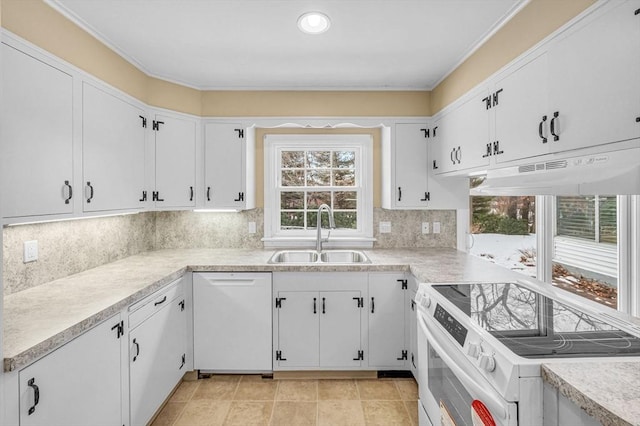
[(387, 346), (411, 325), (319, 320), (232, 321), (157, 350), (78, 384)]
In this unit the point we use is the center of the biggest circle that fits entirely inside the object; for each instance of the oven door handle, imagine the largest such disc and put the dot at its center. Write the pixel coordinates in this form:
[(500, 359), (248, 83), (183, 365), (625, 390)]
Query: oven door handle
[(489, 398)]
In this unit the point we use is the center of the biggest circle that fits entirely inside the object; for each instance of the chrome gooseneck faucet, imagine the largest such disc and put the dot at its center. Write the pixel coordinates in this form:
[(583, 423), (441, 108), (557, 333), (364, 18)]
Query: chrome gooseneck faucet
[(332, 225)]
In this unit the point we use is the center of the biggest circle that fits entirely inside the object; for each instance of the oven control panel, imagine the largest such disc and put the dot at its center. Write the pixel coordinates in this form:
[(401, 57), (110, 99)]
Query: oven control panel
[(452, 325)]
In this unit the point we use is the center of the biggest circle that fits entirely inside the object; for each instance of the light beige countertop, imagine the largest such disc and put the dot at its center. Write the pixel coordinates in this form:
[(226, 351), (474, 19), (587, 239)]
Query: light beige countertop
[(608, 390), (42, 318)]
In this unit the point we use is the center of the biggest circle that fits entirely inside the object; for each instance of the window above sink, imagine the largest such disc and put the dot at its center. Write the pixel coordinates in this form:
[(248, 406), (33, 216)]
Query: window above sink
[(303, 171)]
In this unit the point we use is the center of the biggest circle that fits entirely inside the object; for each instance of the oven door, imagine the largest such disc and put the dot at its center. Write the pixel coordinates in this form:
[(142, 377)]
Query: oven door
[(449, 383)]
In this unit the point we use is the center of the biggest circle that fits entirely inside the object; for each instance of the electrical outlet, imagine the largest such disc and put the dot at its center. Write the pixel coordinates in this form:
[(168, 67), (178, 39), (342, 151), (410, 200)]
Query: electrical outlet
[(436, 227), (425, 227), (385, 227), (252, 227), (30, 251)]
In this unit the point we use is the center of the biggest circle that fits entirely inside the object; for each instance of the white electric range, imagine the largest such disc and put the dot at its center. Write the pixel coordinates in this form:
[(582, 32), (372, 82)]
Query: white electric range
[(480, 347)]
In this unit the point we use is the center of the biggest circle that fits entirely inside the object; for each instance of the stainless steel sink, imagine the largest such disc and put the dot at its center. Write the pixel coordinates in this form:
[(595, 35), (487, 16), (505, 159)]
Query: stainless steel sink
[(294, 256), (343, 256), (325, 257)]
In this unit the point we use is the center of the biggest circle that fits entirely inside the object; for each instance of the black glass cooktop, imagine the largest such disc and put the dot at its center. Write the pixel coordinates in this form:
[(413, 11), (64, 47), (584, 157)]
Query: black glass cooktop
[(535, 326)]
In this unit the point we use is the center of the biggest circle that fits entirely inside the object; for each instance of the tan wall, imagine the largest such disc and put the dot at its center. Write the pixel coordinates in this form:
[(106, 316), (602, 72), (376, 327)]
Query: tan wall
[(38, 23), (531, 25), (315, 103), (261, 133), (43, 26)]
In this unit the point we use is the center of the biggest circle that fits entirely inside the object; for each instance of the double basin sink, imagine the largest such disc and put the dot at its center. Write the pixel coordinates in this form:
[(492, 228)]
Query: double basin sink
[(323, 257)]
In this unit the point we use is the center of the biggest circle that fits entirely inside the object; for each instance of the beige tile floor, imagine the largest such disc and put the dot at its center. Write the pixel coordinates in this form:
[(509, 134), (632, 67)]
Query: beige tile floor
[(251, 400)]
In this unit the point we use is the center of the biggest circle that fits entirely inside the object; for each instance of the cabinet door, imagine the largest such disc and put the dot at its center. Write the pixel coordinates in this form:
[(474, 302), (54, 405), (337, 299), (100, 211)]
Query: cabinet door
[(340, 323), (594, 84), (463, 135), (157, 353), (386, 320), (411, 166), (411, 325), (521, 114), (232, 321), (224, 166), (298, 329), (112, 150), (77, 384), (36, 137), (175, 162)]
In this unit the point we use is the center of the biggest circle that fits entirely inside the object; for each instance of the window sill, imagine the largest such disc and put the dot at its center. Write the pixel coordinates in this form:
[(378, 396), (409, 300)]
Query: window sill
[(306, 242)]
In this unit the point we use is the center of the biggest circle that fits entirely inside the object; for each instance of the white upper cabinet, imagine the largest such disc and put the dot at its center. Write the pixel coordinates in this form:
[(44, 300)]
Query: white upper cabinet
[(113, 152), (594, 83), (407, 172), (36, 137), (175, 165), (229, 167), (521, 112), (407, 180), (462, 135)]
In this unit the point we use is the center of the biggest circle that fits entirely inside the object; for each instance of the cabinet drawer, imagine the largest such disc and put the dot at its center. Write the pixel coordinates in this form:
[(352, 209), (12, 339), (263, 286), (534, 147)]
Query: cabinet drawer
[(158, 300)]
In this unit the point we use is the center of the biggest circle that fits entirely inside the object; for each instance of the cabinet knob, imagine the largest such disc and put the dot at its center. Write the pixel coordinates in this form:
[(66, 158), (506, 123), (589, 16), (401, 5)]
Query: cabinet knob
[(540, 125), (90, 192), (137, 345), (36, 394), (70, 188), (556, 136)]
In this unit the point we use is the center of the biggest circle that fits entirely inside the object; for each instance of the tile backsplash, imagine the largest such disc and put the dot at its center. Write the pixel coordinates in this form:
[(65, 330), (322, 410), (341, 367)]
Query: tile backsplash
[(69, 247)]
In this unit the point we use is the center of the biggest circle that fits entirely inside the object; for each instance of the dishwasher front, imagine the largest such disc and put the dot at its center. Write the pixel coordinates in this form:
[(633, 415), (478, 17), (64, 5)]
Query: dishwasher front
[(232, 322)]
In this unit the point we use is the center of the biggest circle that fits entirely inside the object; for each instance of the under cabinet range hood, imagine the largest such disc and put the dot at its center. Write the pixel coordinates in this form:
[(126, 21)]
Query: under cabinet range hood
[(611, 172)]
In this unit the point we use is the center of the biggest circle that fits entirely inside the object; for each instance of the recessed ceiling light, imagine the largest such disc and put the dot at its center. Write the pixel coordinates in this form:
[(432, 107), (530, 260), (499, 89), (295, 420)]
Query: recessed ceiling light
[(314, 23)]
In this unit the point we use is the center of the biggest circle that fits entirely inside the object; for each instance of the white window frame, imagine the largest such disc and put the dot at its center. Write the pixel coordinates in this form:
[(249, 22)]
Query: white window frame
[(628, 247), (274, 144)]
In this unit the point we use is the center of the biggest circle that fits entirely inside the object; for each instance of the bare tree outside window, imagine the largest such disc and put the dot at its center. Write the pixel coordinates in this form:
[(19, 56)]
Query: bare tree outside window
[(311, 178)]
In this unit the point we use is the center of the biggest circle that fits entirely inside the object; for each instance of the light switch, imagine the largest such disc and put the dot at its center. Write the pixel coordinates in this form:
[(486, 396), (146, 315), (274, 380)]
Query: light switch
[(425, 227), (252, 227), (436, 227), (30, 251), (385, 227)]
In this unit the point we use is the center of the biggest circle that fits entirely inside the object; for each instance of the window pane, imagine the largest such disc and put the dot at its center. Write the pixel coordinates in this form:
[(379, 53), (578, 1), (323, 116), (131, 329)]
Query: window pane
[(292, 220), (344, 178), (317, 159), (346, 220), (344, 159), (292, 159), (576, 217), (292, 200), (312, 220), (318, 178), (503, 231), (316, 199), (585, 252), (293, 178), (608, 219), (345, 200)]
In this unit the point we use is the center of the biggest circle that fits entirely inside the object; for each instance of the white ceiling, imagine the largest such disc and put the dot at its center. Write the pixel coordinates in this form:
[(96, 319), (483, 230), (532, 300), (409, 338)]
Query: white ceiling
[(256, 44)]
